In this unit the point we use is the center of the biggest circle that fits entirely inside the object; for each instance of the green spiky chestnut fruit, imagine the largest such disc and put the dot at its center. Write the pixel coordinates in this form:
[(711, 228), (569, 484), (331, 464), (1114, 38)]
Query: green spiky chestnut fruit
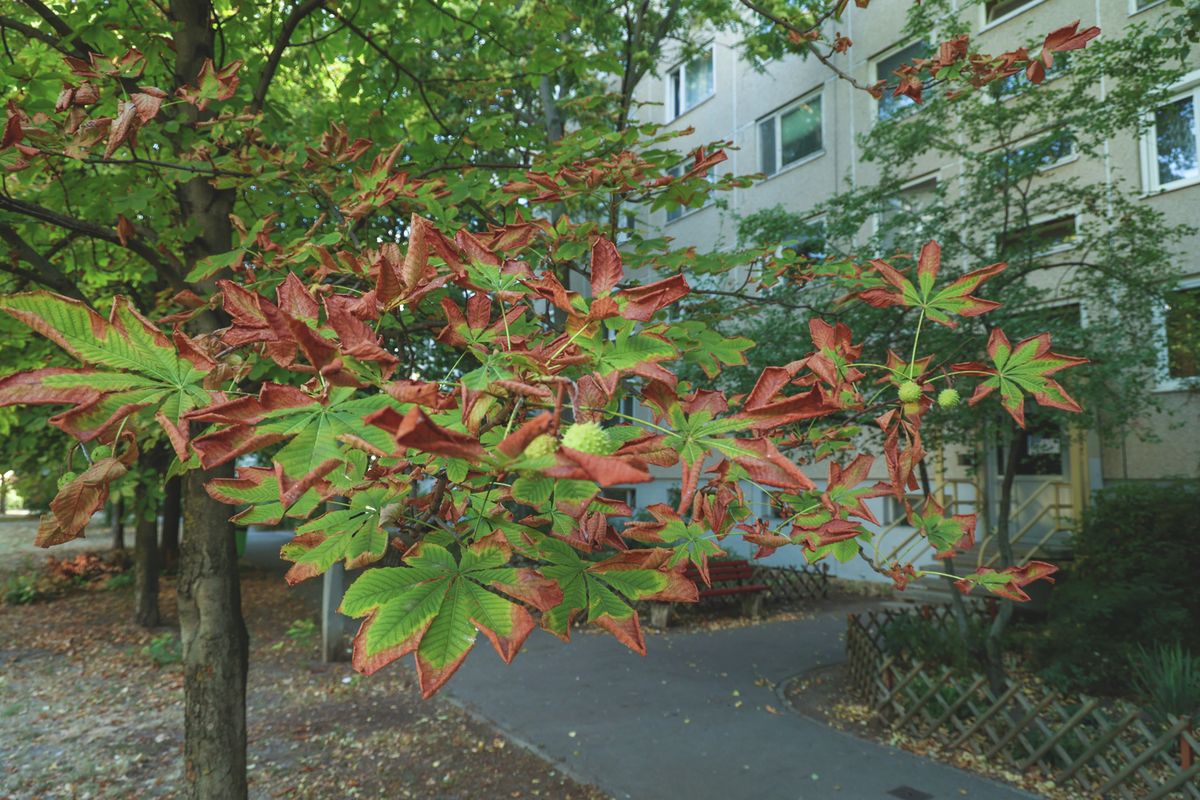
[(544, 445), (66, 478), (588, 437), (948, 398), (909, 392)]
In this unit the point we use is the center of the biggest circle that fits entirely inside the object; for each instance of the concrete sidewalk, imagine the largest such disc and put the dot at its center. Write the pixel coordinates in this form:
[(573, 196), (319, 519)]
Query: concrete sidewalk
[(670, 726)]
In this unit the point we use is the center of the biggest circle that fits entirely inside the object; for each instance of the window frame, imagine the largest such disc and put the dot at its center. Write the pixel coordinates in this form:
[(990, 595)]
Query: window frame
[(1042, 219), (1165, 381), (884, 55), (675, 104), (1189, 86), (776, 118), (685, 211), (1046, 133), (986, 24), (1133, 6)]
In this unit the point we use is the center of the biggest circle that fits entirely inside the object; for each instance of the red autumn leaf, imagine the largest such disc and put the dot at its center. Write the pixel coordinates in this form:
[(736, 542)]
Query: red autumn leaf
[(640, 303), (416, 430), (606, 267)]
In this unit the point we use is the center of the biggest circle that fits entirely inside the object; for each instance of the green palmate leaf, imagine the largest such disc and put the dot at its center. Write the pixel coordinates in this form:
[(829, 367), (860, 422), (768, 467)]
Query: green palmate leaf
[(1023, 369), (953, 299), (691, 542), (354, 535), (533, 490), (630, 350), (130, 366), (947, 534), (314, 430), (435, 605), (258, 488), (708, 349), (606, 588)]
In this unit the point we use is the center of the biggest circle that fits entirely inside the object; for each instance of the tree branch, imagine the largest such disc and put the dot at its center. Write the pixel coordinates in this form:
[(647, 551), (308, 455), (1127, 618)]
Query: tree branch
[(45, 272), (33, 33), (166, 264), (301, 10)]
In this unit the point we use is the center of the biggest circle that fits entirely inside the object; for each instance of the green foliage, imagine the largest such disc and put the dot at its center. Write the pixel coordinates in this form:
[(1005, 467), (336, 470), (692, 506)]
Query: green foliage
[(117, 582), (1132, 585), (21, 589), (164, 650), (1168, 678), (938, 643)]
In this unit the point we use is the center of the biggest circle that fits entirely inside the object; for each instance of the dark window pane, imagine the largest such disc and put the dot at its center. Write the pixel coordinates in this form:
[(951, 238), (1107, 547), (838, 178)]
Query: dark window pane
[(1183, 334), (889, 106), (766, 146), (1175, 135), (800, 131), (998, 8)]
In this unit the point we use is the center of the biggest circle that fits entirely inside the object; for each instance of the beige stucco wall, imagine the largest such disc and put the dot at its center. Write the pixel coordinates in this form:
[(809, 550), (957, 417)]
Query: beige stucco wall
[(743, 96)]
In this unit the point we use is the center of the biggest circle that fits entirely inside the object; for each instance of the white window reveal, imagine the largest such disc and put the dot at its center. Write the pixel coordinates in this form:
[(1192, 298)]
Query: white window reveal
[(691, 83), (997, 9), (790, 136)]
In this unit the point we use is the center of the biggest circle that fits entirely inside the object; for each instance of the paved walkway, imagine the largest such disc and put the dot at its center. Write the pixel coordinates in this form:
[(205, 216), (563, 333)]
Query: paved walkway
[(670, 725), (690, 720)]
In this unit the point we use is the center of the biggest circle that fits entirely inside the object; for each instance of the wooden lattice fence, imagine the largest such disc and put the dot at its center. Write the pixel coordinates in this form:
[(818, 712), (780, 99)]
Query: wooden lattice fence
[(787, 584), (1106, 748)]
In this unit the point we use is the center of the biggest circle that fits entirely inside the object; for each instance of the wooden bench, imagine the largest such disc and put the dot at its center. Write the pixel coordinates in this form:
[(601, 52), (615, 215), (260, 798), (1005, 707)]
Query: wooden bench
[(728, 578)]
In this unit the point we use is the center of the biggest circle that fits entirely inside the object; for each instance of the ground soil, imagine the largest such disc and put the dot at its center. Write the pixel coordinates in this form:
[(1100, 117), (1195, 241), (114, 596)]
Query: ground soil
[(85, 712), (826, 694)]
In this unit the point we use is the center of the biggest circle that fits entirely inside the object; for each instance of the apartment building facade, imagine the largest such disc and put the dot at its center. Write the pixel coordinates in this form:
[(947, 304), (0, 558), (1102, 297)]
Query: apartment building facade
[(799, 125)]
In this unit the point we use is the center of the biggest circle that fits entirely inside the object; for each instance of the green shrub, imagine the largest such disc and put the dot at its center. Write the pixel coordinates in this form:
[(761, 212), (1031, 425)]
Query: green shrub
[(1137, 556), (122, 581), (20, 589), (163, 650), (913, 636), (1168, 678)]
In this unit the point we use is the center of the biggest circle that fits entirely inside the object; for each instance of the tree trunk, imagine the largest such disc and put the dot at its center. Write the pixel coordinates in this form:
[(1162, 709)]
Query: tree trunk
[(215, 643), (215, 647), (116, 510), (146, 561), (172, 507), (995, 656)]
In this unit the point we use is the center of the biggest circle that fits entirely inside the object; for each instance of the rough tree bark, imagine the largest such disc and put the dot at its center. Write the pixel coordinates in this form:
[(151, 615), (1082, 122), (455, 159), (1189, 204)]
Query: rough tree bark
[(146, 560), (997, 677), (116, 511), (213, 633), (172, 508)]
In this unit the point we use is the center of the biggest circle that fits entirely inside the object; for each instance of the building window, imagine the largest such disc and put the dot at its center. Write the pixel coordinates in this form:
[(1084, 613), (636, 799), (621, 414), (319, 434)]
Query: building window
[(1173, 143), (1037, 239), (1142, 5), (790, 135), (1013, 85), (1181, 323), (682, 209), (691, 83), (885, 68), (906, 220), (995, 9), (1035, 156)]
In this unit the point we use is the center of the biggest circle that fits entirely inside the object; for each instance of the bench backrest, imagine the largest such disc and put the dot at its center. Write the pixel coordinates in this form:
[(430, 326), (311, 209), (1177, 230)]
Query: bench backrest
[(723, 571)]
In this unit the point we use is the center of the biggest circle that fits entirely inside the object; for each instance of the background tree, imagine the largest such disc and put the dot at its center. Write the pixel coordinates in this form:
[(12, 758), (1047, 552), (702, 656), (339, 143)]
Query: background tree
[(1088, 262)]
